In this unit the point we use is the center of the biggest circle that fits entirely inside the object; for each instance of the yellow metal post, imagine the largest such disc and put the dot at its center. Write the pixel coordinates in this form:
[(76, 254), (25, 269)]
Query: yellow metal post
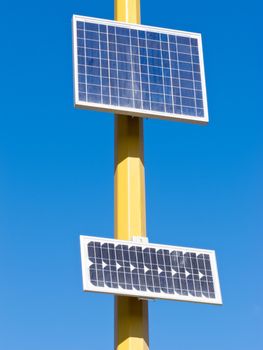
[(131, 314)]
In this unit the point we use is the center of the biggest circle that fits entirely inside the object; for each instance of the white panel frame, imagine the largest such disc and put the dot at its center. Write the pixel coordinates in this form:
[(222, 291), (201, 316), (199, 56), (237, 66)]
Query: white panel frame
[(134, 111), (89, 287)]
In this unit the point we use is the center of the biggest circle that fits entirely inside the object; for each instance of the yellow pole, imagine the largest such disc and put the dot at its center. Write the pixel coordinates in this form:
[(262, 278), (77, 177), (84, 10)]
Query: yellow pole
[(131, 314)]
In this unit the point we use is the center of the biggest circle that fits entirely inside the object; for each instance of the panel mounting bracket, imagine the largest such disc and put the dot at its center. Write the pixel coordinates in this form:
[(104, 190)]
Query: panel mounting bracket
[(139, 239)]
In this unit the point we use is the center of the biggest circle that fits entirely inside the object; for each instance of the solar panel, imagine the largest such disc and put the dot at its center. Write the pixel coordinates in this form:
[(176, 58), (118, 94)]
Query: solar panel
[(149, 270), (138, 70)]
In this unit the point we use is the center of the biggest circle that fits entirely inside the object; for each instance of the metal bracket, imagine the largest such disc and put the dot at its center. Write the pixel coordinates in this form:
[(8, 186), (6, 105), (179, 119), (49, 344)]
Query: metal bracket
[(138, 239)]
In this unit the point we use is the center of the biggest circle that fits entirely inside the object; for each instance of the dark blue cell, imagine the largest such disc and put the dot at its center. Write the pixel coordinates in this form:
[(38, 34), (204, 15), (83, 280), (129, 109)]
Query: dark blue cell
[(152, 36), (114, 90), (105, 81), (154, 61), (155, 70), (173, 56), (141, 34), (111, 29), (82, 87), (123, 48), (183, 48), (187, 93), (195, 59), (112, 55), (169, 108), (172, 38), (126, 102), (173, 47), (156, 79), (103, 37), (92, 35), (146, 105), (174, 66), (92, 26), (92, 44), (123, 40), (114, 100), (189, 111), (102, 28), (145, 87), (145, 96), (186, 75), (184, 57), (112, 38), (196, 68), (167, 80), (114, 73), (104, 63), (167, 90), (143, 52), (175, 81), (154, 53), (81, 60), (151, 44), (82, 78), (122, 31), (91, 61), (176, 92), (199, 103), (80, 34), (194, 42), (187, 84), (134, 33), (104, 54), (104, 72), (156, 88), (183, 40), (143, 60), (103, 45), (81, 51), (82, 96), (157, 97), (185, 66), (134, 41), (165, 55), (94, 89), (166, 71), (80, 42), (198, 94), (194, 50), (197, 76), (93, 80), (126, 75), (80, 25), (189, 102), (94, 98), (169, 99), (157, 106), (142, 43), (200, 112), (81, 69), (164, 37), (92, 53), (198, 85), (138, 104), (93, 71), (178, 109)]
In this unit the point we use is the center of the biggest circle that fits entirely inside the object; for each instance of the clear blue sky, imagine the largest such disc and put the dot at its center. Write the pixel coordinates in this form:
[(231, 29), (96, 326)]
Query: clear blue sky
[(204, 183)]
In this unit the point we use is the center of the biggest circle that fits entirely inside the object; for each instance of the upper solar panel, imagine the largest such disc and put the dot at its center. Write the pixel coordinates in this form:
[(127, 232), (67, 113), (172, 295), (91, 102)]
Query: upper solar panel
[(149, 270), (138, 70)]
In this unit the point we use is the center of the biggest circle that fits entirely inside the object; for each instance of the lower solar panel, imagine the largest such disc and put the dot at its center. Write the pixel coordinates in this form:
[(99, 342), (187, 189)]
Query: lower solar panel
[(149, 270)]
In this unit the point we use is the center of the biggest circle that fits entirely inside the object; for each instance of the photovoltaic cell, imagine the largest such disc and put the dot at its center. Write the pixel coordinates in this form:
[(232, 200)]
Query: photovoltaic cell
[(138, 70), (149, 270)]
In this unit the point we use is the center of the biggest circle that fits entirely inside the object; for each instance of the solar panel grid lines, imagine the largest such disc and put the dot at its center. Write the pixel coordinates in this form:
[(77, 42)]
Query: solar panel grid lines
[(149, 270), (138, 70)]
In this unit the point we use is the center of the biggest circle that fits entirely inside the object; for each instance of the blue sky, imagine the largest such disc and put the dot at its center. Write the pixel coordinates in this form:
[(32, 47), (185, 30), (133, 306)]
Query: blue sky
[(203, 183)]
